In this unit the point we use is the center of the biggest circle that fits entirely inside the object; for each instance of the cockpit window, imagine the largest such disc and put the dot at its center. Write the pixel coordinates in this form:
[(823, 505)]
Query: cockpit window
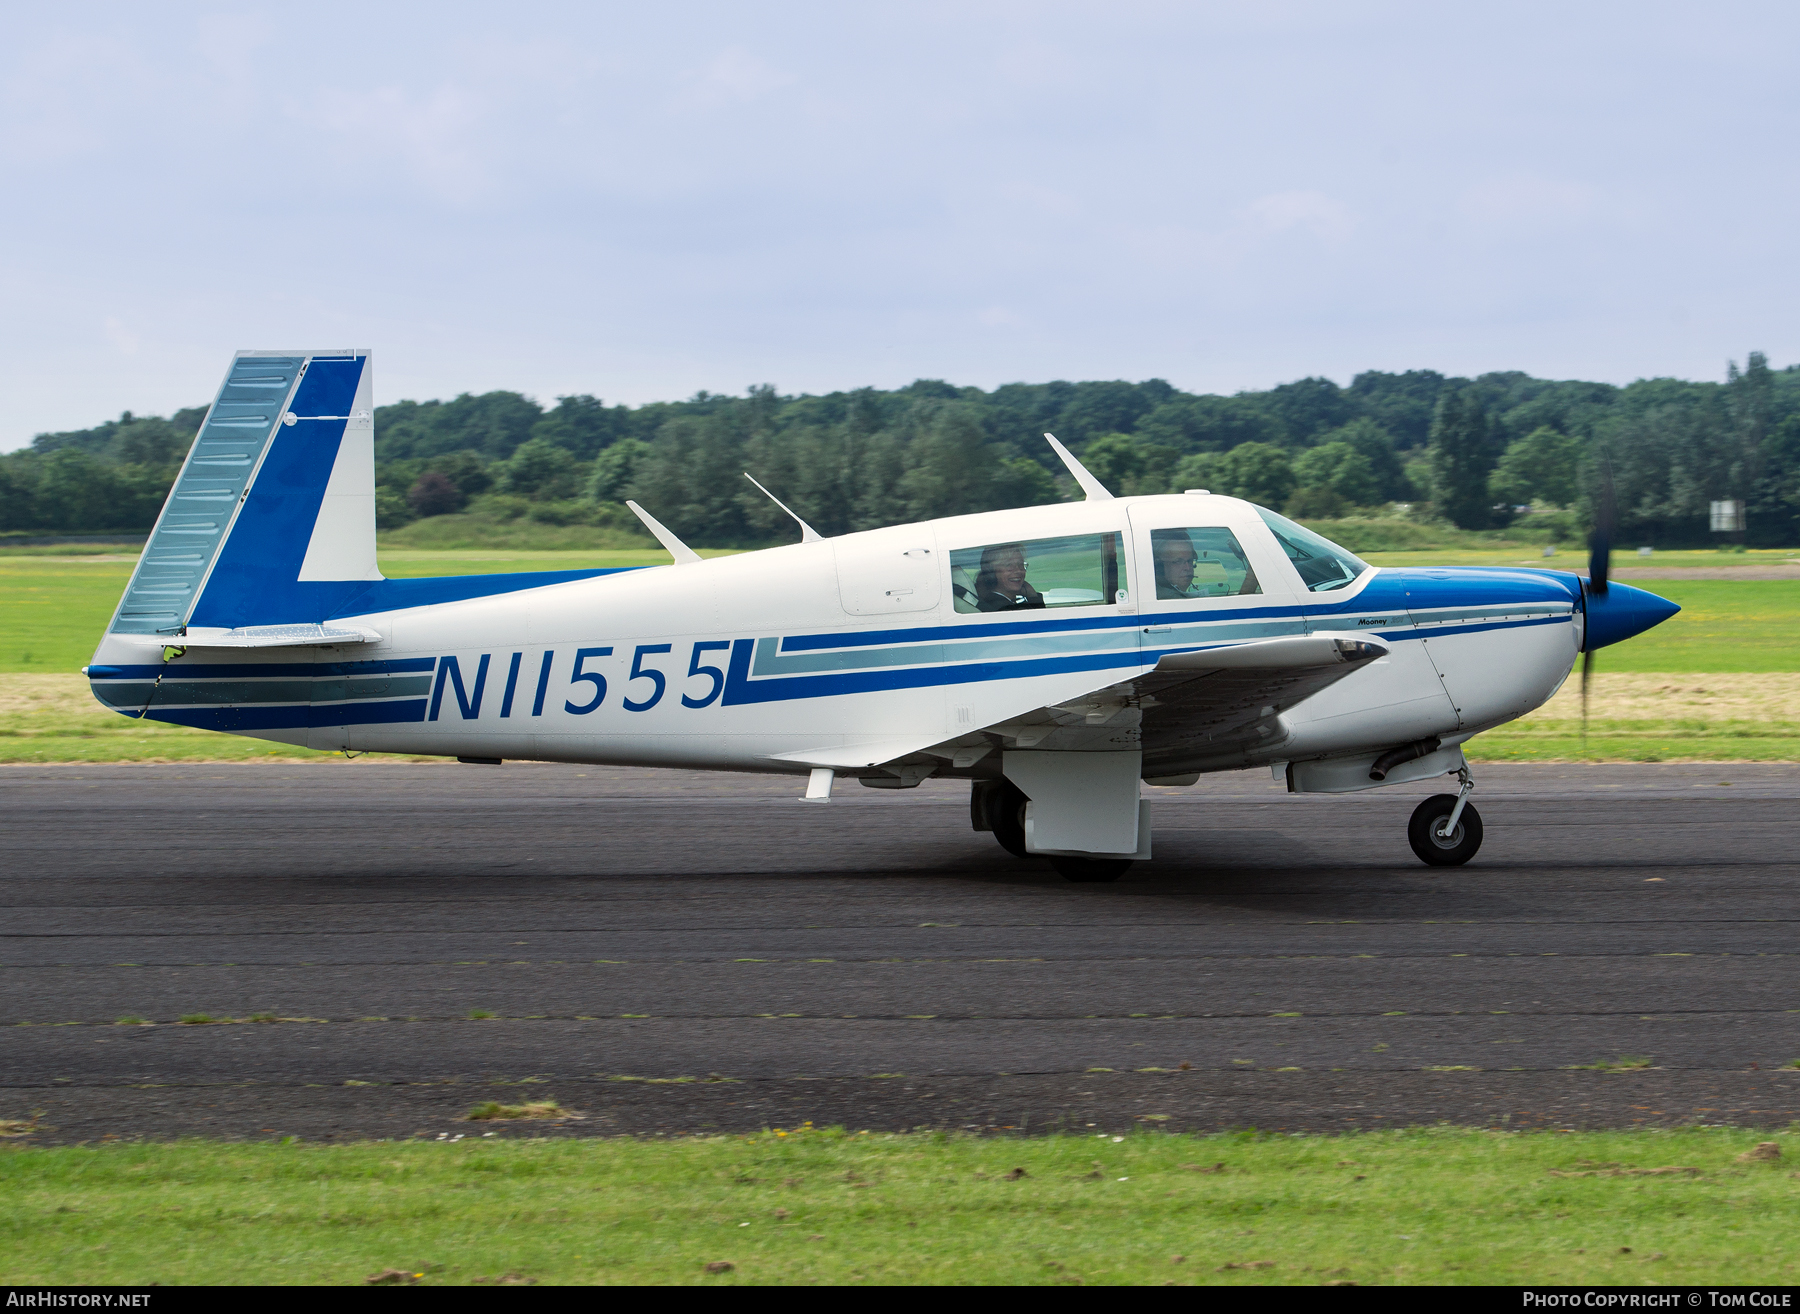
[(1200, 563), (1322, 564), (1087, 570)]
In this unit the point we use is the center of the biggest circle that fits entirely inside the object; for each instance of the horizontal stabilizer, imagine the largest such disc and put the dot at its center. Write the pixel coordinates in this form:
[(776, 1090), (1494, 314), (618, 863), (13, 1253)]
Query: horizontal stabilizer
[(257, 636), (1296, 653)]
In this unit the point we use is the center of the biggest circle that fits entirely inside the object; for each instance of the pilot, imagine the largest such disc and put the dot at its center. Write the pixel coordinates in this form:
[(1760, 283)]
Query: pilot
[(1001, 585)]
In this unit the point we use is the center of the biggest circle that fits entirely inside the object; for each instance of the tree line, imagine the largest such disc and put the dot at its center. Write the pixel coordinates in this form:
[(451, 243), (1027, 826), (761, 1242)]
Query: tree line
[(1479, 453)]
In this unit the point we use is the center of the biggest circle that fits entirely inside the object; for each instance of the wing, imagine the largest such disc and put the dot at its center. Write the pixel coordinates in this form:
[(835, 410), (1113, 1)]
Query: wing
[(1204, 710)]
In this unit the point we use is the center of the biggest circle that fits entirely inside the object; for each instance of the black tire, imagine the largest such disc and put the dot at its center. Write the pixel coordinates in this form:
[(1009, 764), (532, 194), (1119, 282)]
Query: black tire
[(1004, 804), (1091, 870), (1433, 849)]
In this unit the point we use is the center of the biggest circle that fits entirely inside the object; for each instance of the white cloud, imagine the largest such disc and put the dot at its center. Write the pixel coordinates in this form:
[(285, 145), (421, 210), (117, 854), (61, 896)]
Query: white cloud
[(1525, 201), (1250, 234), (732, 77), (232, 44), (1035, 64), (120, 336), (434, 138), (1314, 213), (61, 95)]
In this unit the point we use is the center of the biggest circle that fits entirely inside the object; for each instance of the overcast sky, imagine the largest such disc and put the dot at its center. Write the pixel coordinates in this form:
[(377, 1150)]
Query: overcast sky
[(642, 201)]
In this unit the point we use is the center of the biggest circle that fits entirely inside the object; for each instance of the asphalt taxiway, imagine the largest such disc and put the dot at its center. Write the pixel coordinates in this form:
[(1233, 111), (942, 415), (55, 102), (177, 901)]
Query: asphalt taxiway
[(674, 952)]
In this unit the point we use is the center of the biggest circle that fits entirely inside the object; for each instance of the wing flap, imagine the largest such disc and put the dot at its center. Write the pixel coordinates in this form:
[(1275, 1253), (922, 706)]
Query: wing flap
[(871, 753)]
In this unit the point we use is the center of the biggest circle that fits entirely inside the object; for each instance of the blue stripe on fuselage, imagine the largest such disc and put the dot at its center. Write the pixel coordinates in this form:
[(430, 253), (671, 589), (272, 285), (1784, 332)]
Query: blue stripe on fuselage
[(948, 633), (295, 716), (1393, 590), (740, 689)]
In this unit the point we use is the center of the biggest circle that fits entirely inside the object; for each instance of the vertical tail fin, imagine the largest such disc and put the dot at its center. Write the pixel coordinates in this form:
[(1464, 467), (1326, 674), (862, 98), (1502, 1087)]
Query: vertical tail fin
[(272, 518)]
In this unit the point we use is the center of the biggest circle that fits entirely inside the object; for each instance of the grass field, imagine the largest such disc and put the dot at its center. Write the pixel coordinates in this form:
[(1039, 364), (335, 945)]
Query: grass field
[(1576, 558), (1430, 1206), (466, 531), (1634, 718), (1731, 631), (53, 609), (1657, 717)]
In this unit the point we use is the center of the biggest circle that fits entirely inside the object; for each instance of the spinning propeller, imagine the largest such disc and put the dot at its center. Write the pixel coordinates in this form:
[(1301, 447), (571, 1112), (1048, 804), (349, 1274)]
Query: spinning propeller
[(1606, 521)]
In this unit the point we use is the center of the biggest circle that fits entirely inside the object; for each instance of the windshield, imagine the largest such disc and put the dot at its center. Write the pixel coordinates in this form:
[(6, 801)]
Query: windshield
[(1322, 564)]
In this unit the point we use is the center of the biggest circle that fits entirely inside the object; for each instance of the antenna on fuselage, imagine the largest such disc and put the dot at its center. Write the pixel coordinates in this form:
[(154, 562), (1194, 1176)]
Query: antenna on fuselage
[(683, 554), (1095, 490), (807, 533)]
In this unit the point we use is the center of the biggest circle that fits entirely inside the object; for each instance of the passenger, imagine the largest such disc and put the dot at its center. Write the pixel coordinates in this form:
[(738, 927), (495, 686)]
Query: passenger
[(1175, 561), (1001, 585)]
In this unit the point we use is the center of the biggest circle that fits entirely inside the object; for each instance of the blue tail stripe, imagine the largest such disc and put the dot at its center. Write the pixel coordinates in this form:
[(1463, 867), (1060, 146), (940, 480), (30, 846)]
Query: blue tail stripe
[(394, 594)]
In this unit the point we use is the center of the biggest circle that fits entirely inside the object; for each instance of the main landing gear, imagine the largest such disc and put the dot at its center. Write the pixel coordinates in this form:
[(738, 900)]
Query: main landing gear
[(1445, 831), (999, 806)]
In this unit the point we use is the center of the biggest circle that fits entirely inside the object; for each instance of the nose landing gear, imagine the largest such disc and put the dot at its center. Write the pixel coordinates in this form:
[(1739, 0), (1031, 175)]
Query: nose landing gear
[(1445, 831)]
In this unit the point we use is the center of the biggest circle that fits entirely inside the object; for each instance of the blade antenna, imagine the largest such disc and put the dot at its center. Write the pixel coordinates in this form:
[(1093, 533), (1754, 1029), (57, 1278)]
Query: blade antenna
[(683, 554), (807, 533), (1095, 490)]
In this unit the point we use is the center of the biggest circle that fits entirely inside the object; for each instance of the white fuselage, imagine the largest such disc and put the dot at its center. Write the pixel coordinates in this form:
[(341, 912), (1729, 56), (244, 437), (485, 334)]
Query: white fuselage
[(764, 660)]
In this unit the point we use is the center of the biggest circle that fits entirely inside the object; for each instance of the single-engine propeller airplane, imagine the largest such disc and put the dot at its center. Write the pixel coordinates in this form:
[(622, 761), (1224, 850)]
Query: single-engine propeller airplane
[(1054, 656)]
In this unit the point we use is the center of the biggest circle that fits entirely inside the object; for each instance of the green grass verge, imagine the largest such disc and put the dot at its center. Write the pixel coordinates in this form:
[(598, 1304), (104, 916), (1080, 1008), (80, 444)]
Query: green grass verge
[(1724, 625), (1428, 1206), (69, 549), (52, 613), (1637, 741), (1576, 558), (121, 739)]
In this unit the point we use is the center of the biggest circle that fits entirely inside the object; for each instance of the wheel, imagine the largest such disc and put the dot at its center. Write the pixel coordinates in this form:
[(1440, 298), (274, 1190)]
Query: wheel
[(1091, 869), (1003, 807), (1438, 850)]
